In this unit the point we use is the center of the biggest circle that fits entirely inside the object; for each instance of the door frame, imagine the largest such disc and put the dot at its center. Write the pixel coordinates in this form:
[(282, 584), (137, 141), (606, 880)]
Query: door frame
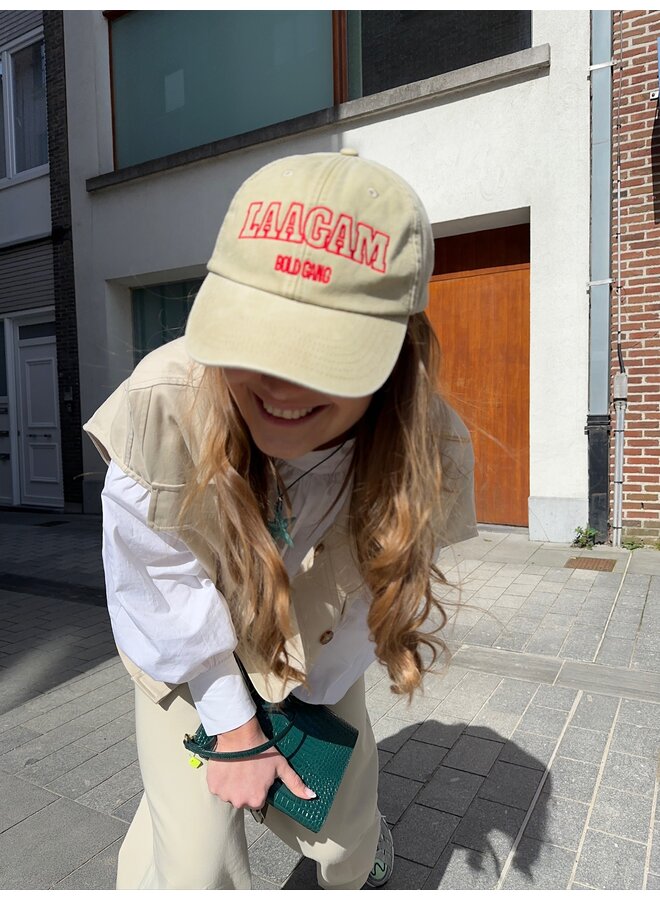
[(12, 322)]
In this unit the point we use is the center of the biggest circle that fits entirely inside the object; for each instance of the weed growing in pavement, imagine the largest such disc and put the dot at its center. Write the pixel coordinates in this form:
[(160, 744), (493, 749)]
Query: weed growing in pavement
[(632, 543), (585, 537)]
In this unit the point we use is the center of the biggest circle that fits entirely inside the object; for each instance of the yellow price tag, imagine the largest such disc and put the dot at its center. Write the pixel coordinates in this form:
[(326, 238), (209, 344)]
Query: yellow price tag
[(194, 762)]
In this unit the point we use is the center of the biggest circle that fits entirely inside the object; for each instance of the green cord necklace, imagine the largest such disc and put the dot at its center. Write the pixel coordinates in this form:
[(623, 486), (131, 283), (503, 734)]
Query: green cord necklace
[(279, 525)]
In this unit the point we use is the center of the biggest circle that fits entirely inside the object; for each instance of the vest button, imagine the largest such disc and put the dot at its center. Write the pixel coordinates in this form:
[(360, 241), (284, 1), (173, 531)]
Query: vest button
[(326, 637)]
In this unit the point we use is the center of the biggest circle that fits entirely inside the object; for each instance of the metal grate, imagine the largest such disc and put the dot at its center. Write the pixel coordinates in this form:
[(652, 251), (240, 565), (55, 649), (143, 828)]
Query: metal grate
[(585, 562)]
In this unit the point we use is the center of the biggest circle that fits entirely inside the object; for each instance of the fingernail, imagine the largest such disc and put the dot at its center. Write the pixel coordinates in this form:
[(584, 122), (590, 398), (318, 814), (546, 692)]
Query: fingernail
[(309, 793)]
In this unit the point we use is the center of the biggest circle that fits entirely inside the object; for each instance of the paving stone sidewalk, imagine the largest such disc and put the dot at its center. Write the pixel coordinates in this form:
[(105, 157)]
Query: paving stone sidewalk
[(530, 762)]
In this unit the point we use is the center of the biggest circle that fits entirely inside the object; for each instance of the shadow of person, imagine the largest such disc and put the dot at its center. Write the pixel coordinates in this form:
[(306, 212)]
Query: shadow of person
[(468, 807)]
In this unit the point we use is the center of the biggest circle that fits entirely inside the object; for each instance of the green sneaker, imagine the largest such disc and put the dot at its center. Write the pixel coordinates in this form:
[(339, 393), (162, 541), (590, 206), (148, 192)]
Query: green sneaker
[(383, 866)]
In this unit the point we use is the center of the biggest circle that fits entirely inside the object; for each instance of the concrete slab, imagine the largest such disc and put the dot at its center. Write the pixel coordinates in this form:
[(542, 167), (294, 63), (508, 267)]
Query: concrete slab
[(98, 874), (459, 867), (486, 699), (423, 833), (605, 680), (559, 821), (20, 800), (583, 744), (506, 663), (645, 562), (489, 827), (622, 814), (611, 863), (451, 790), (631, 774), (539, 866), (572, 778), (44, 848), (417, 760)]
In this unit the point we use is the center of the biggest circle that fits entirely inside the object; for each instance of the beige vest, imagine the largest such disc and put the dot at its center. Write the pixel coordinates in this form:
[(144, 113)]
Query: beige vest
[(151, 426)]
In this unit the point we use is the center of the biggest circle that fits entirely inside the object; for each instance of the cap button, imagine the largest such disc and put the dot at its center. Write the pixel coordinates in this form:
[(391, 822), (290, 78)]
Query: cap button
[(349, 151)]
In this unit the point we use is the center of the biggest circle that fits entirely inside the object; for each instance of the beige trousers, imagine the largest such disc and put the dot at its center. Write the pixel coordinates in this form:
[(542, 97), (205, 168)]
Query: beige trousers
[(184, 837)]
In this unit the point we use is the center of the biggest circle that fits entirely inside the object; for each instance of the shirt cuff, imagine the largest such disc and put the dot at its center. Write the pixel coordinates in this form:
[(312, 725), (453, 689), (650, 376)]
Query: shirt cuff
[(221, 697)]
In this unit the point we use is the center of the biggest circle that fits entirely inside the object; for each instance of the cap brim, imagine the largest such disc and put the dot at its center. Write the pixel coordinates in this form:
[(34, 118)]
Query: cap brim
[(332, 351)]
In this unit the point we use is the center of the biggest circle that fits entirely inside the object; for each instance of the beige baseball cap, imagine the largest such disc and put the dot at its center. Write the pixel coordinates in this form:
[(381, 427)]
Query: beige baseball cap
[(319, 263)]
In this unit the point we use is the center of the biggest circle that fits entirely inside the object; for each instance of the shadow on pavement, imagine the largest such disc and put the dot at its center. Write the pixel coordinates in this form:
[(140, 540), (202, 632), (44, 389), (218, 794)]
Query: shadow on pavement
[(53, 621), (457, 802), (46, 642)]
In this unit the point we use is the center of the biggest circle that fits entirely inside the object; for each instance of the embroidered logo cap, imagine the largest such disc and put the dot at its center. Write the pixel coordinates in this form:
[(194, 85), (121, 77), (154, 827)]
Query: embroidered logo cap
[(319, 263)]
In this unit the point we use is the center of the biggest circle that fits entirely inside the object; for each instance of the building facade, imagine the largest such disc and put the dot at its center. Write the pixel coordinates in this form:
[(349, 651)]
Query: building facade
[(635, 348), (38, 365), (487, 115)]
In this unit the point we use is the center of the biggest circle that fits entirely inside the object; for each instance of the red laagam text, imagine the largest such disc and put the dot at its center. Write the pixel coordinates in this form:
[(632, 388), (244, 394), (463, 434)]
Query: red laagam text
[(318, 227)]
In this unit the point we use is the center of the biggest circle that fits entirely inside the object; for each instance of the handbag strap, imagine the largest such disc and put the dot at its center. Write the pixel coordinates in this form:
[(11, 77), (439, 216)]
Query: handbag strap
[(191, 744)]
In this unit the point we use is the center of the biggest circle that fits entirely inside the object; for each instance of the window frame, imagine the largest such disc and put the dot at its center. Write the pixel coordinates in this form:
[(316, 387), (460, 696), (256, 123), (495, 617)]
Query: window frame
[(140, 350), (534, 59), (11, 176), (339, 62)]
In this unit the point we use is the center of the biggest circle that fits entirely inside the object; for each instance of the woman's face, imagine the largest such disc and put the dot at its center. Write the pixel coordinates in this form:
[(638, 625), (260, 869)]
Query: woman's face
[(287, 420)]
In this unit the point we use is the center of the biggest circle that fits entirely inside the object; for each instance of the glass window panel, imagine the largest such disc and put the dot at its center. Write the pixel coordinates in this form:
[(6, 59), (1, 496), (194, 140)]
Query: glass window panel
[(388, 48), (3, 361), (182, 79), (41, 329), (30, 134), (160, 313), (3, 158)]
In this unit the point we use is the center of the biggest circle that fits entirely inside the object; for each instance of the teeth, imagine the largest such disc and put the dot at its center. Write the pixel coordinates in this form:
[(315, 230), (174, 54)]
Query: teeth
[(287, 413)]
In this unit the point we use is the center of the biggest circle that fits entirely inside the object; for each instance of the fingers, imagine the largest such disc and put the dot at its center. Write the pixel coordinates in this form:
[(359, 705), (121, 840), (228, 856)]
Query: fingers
[(245, 784), (294, 782)]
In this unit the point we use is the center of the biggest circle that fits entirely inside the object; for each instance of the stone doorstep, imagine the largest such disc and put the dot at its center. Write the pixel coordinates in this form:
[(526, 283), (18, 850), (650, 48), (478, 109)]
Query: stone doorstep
[(599, 679)]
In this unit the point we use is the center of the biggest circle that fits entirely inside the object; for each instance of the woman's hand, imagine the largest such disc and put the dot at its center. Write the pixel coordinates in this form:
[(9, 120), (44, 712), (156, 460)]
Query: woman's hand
[(246, 782)]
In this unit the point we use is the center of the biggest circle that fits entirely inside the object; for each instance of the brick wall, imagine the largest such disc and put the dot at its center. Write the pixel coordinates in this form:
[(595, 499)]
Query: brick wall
[(63, 274), (635, 35)]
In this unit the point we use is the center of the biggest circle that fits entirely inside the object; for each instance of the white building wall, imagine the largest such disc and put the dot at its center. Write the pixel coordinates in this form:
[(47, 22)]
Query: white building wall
[(24, 210), (492, 156)]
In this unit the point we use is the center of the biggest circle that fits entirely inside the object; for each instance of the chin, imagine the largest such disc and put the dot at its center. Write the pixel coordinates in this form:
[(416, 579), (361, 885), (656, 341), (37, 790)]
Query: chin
[(282, 449)]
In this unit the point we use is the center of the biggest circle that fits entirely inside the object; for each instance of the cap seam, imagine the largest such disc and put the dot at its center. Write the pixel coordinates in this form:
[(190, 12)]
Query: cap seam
[(418, 257), (306, 250)]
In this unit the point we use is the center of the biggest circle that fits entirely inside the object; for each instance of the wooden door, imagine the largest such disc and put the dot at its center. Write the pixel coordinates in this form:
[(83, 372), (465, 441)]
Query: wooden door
[(481, 317)]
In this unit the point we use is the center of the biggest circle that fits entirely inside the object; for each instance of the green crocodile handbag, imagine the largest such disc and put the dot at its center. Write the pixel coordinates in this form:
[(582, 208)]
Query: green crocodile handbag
[(316, 743)]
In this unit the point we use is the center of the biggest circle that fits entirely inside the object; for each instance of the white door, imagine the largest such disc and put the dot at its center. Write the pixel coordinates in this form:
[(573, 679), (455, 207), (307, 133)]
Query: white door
[(39, 420)]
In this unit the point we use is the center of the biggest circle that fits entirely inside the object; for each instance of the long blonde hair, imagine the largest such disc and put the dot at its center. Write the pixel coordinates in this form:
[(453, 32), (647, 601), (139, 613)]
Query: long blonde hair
[(397, 477)]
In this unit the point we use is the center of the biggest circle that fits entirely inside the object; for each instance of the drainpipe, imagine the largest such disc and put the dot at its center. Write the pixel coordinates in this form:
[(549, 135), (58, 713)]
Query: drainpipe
[(620, 386), (620, 403), (598, 418)]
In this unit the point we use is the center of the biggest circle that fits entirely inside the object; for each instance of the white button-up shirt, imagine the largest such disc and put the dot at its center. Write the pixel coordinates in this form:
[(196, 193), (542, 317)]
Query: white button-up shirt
[(168, 617)]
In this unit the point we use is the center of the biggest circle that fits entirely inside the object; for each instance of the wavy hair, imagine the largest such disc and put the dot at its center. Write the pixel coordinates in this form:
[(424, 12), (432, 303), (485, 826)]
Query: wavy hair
[(394, 510)]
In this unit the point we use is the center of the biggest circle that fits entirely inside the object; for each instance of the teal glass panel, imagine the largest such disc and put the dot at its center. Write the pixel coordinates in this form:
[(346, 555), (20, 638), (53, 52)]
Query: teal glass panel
[(3, 361), (183, 79), (160, 313)]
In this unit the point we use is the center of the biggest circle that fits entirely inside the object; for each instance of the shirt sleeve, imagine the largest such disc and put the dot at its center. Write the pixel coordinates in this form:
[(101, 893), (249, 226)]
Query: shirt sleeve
[(167, 616)]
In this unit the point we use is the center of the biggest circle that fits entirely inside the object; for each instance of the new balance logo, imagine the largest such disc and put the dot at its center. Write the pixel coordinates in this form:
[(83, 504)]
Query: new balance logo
[(378, 871)]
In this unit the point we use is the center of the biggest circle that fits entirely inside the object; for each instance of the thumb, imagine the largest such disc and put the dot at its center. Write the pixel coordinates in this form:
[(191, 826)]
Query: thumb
[(293, 781)]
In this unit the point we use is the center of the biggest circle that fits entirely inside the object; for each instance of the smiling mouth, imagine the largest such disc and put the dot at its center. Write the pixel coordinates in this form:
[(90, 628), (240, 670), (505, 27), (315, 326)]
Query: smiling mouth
[(285, 416)]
